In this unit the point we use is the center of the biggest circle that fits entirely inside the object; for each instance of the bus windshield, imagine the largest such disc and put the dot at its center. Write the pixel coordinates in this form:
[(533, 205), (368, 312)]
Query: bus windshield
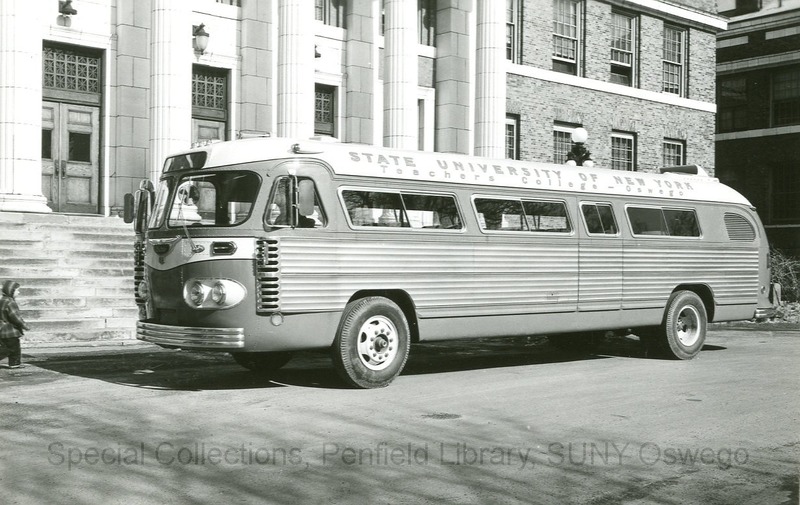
[(213, 199)]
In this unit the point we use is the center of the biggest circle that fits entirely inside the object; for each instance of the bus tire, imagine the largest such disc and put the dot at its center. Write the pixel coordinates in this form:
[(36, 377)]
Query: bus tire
[(372, 342), (262, 362), (684, 330)]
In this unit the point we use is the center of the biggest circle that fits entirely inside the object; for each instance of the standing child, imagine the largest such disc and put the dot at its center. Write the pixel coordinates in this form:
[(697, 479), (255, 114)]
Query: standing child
[(12, 326)]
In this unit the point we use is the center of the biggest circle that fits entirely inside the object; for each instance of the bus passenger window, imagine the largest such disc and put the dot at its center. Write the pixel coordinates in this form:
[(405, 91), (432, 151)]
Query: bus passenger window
[(495, 214), (682, 223), (375, 208), (599, 219), (647, 221), (432, 211), (546, 216)]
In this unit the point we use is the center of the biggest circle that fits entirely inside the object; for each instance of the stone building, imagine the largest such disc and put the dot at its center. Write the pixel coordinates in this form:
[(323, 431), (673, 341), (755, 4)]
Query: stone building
[(95, 93), (758, 125)]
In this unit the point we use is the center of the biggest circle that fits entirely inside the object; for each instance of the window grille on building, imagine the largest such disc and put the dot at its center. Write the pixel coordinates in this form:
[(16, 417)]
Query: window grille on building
[(673, 153), (562, 143), (330, 12), (209, 104), (732, 103), (512, 137), (674, 61), (566, 36), (623, 29), (513, 45), (622, 152), (70, 71), (786, 97), (324, 110), (208, 89)]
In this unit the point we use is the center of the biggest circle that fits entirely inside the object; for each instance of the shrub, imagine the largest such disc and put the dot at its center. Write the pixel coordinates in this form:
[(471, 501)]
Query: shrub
[(786, 272)]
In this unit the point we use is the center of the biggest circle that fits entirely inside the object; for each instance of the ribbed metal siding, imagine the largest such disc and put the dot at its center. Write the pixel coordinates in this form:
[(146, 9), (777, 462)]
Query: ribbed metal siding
[(739, 228), (651, 273), (443, 278), (267, 276)]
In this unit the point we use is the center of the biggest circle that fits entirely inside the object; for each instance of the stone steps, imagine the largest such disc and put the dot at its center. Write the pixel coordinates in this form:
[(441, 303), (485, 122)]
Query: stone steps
[(76, 276)]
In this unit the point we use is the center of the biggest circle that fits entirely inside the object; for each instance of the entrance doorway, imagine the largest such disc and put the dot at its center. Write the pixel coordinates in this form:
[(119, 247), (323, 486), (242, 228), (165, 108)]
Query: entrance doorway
[(70, 156)]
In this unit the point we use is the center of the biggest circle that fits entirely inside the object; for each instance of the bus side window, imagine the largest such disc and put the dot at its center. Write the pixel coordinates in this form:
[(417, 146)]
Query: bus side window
[(647, 221), (279, 214), (496, 214), (375, 208), (599, 218)]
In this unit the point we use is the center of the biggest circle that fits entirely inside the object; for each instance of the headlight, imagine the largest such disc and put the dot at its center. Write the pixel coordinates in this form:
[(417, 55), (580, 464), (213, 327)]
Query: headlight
[(213, 294), (197, 294), (218, 293)]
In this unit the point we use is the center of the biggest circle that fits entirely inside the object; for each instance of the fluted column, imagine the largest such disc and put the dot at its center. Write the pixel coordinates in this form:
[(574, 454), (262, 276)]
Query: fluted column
[(170, 81), (490, 79), (400, 115), (20, 108), (295, 69)]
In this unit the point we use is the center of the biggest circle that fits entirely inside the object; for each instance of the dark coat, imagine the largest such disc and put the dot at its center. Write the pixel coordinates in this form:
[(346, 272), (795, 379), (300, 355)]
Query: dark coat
[(11, 324)]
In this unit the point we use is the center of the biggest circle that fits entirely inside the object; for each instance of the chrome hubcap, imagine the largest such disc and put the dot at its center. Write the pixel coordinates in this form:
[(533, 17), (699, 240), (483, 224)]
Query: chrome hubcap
[(687, 325), (377, 343)]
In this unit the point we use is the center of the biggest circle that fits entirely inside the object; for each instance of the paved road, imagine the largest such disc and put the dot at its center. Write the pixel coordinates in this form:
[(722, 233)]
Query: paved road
[(510, 421)]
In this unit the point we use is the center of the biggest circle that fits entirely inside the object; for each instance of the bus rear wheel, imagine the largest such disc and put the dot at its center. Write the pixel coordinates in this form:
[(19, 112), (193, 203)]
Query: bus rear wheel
[(262, 362), (684, 329), (372, 342)]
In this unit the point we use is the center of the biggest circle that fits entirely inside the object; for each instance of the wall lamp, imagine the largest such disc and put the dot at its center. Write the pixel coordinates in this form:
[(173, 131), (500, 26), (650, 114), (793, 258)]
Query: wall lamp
[(200, 38), (65, 8)]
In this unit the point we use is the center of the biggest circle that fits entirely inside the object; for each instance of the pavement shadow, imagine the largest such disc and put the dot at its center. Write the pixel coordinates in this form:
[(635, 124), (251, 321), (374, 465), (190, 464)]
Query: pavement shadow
[(164, 369)]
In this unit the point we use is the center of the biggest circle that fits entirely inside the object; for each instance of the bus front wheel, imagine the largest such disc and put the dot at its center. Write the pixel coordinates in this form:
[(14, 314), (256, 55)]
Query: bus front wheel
[(684, 329), (262, 362), (372, 342)]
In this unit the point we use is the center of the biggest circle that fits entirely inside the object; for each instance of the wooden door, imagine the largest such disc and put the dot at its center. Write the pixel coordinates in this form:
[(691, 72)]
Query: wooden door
[(70, 157)]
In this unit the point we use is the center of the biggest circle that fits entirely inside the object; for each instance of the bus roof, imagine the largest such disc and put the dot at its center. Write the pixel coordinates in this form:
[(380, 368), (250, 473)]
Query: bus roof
[(379, 162)]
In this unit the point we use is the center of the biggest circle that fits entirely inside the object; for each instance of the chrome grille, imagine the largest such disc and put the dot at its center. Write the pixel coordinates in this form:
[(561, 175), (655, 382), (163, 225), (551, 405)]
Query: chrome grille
[(267, 276), (138, 269)]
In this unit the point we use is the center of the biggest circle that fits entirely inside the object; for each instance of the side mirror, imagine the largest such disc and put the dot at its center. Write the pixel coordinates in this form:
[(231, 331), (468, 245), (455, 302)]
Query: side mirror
[(128, 213), (306, 197)]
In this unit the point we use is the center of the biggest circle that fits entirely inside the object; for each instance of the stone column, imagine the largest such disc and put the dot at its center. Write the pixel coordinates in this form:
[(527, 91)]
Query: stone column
[(490, 79), (360, 70), (170, 81), (20, 108), (295, 69), (400, 115), (453, 129)]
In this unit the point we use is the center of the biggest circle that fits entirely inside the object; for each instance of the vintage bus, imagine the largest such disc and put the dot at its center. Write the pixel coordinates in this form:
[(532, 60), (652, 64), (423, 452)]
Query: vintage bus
[(265, 246)]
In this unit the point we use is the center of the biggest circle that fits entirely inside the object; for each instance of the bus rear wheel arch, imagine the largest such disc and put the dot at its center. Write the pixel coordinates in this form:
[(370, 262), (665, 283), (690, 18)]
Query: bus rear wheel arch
[(372, 342), (683, 331)]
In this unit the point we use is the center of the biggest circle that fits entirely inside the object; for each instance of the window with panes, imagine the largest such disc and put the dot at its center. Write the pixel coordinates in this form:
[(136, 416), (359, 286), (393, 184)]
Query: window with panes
[(562, 142), (673, 153), (513, 35), (785, 194), (209, 103), (567, 16), (674, 61), (623, 49), (623, 151), (512, 137), (324, 110), (732, 103), (786, 97), (330, 12)]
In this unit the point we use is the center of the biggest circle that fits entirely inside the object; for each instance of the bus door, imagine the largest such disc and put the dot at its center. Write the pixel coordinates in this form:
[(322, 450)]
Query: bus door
[(599, 258)]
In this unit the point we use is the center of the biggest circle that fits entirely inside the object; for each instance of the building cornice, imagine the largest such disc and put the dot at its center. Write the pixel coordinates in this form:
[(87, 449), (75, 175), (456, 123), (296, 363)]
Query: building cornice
[(675, 13), (772, 60), (607, 87), (760, 133)]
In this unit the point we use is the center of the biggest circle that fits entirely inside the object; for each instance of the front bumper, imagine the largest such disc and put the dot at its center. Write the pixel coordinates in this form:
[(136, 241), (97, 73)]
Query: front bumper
[(765, 312), (191, 337)]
